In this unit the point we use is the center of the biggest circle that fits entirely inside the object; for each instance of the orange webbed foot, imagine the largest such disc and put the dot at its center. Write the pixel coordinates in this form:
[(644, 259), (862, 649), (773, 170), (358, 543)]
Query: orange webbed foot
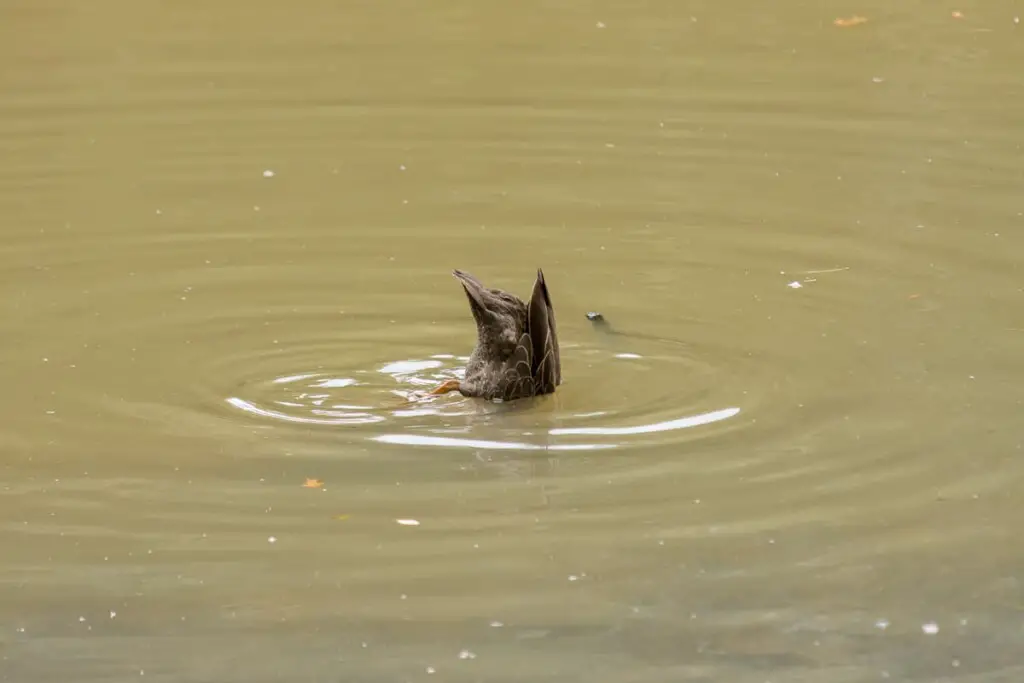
[(445, 387)]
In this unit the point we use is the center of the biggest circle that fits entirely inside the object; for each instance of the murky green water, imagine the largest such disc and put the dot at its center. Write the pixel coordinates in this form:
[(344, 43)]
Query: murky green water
[(227, 238)]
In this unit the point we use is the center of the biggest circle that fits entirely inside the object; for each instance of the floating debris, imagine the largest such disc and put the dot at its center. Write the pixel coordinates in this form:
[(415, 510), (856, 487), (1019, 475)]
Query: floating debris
[(931, 628), (313, 484), (268, 174), (408, 522)]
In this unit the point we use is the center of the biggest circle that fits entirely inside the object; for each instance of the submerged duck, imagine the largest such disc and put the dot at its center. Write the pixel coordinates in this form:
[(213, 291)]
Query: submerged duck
[(516, 352)]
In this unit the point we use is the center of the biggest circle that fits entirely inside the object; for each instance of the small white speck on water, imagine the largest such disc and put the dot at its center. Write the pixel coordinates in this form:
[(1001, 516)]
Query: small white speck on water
[(600, 24), (497, 624), (113, 614), (401, 167), (272, 539), (408, 522), (794, 285), (877, 79), (268, 173), (431, 670), (255, 208), (403, 596), (20, 629), (573, 577), (628, 356), (158, 212), (930, 628), (467, 654), (81, 620), (882, 624)]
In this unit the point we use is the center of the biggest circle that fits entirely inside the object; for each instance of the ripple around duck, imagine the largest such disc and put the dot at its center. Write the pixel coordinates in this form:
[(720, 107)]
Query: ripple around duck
[(601, 405), (359, 376)]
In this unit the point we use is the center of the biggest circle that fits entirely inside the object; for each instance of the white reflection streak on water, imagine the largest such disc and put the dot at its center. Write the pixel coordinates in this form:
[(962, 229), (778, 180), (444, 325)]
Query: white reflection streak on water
[(420, 440), (681, 423), (407, 367), (350, 418)]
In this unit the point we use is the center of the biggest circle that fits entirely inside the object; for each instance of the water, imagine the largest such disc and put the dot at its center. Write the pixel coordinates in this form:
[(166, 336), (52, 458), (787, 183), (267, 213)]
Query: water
[(225, 282)]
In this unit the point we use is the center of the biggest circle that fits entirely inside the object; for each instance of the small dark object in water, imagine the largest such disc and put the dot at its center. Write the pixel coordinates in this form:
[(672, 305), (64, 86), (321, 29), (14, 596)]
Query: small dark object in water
[(594, 316)]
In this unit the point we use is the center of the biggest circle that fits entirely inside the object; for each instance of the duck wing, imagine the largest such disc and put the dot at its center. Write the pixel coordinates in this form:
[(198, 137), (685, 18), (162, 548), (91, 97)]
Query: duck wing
[(546, 364)]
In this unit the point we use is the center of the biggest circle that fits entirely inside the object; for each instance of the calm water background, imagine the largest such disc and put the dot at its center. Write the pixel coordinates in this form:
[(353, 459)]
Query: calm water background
[(227, 233)]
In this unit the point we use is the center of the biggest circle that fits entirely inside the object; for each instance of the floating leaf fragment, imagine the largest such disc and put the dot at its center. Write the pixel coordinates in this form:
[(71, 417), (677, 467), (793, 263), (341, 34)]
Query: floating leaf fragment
[(313, 484), (846, 22)]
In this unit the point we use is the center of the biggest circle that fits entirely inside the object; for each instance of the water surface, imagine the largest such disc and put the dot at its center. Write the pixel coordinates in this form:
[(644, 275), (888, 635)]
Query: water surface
[(224, 271)]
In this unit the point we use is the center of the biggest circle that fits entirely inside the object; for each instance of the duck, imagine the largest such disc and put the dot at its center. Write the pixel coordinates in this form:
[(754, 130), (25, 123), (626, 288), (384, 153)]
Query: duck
[(516, 353)]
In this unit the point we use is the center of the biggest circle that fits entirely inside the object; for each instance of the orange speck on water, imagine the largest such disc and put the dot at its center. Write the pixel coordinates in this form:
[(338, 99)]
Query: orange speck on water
[(846, 22)]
